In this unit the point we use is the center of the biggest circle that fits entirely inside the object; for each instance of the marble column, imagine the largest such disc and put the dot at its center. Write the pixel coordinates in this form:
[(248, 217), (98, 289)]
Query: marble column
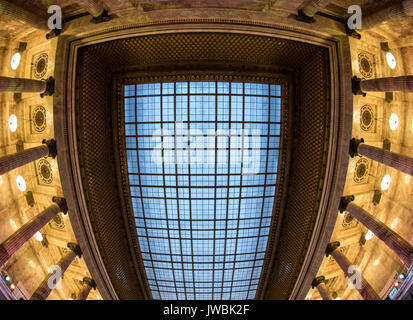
[(395, 160), (87, 285), (50, 281), (96, 9), (307, 13), (319, 283), (365, 289), (12, 161), (45, 87), (27, 231), (18, 13), (390, 84), (8, 84), (394, 241), (395, 11), (314, 6)]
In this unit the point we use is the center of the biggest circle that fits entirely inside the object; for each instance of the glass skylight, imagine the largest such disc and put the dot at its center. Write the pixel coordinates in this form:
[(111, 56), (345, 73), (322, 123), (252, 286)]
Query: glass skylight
[(202, 165)]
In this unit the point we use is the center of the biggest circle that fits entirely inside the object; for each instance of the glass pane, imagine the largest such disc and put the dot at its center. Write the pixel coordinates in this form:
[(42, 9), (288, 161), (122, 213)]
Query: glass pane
[(202, 164)]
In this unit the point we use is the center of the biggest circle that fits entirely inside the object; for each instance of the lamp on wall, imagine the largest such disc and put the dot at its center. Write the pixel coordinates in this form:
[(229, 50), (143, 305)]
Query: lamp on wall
[(369, 235), (13, 123), (38, 236), (21, 183), (385, 182), (390, 58), (16, 58), (394, 121)]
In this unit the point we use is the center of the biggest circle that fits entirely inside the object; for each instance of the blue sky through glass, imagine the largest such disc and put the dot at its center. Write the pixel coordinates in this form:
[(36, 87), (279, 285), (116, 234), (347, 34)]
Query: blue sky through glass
[(202, 164)]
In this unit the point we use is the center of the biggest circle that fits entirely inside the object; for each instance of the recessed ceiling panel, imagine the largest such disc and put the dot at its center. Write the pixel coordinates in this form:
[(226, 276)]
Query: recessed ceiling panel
[(202, 166)]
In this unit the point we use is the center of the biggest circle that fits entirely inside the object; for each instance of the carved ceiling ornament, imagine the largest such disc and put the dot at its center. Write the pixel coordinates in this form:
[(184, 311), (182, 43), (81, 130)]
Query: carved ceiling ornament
[(44, 170), (39, 65), (58, 222), (366, 64), (348, 221), (367, 117), (39, 118), (361, 171)]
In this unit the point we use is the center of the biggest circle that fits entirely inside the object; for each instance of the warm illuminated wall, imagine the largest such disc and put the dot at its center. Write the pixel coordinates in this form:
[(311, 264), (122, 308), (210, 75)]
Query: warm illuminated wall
[(29, 266), (378, 263)]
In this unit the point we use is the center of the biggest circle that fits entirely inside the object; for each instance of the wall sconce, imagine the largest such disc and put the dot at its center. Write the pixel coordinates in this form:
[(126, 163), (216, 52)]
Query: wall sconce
[(390, 58), (385, 182), (16, 58)]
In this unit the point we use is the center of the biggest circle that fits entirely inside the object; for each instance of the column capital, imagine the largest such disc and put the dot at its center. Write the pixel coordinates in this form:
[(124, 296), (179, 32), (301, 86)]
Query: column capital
[(75, 248), (352, 32), (51, 144), (354, 145), (301, 16), (61, 202), (90, 282), (356, 86), (331, 247), (317, 281), (344, 201), (53, 34), (49, 85), (102, 18)]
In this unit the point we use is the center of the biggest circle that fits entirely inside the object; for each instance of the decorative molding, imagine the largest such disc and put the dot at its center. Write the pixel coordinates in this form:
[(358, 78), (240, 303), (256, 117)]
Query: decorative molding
[(368, 118), (38, 118), (361, 171), (40, 65), (44, 172), (348, 221), (366, 64), (57, 222)]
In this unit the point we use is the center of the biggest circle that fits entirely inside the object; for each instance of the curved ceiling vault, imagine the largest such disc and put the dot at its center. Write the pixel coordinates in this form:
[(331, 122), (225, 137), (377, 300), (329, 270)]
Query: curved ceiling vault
[(263, 55)]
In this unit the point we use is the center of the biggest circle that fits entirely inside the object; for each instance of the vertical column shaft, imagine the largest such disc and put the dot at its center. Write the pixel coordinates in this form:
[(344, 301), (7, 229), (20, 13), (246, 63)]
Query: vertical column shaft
[(314, 6), (94, 7), (84, 292), (12, 161), (322, 289), (88, 284), (395, 11), (47, 285), (26, 232), (394, 241), (397, 161), (15, 12), (8, 84), (403, 83), (365, 290)]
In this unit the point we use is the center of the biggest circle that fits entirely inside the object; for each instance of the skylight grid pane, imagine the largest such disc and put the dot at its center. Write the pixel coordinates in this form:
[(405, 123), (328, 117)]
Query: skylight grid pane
[(202, 164)]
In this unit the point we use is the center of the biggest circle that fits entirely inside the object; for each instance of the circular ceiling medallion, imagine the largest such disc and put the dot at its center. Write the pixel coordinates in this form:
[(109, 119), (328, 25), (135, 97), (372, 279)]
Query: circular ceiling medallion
[(365, 65), (39, 118), (45, 171), (58, 221), (13, 123), (366, 117), (391, 60), (361, 171), (348, 219), (40, 66)]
